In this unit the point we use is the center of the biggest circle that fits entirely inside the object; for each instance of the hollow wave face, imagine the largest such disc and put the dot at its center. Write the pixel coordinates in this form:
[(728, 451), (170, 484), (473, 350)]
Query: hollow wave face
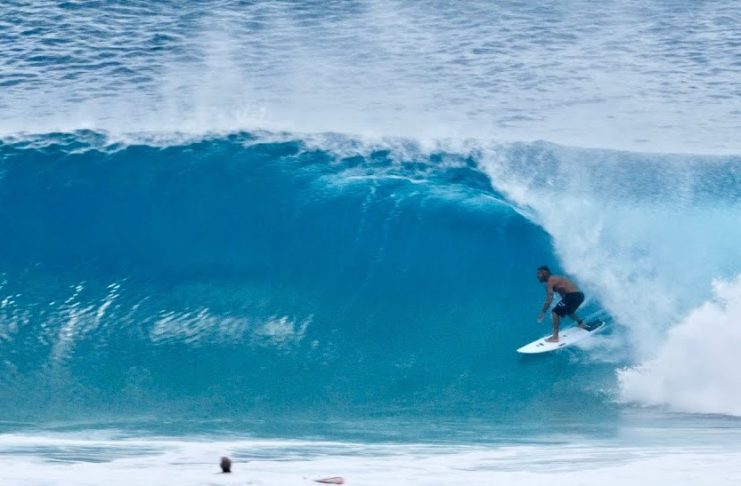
[(336, 208), (242, 275), (248, 275)]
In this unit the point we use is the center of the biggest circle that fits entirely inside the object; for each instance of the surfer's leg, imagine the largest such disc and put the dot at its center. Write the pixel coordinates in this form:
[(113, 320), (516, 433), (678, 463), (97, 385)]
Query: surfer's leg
[(574, 300), (556, 320), (579, 321), (559, 311)]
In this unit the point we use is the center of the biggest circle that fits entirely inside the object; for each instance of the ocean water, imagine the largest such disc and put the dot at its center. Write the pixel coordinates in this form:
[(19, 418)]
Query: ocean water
[(304, 235)]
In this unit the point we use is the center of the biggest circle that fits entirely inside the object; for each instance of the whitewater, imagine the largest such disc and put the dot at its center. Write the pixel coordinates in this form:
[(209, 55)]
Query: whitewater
[(305, 234)]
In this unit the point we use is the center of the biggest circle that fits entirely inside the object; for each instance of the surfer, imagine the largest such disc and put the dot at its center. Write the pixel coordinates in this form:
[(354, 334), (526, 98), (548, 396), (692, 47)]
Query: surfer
[(571, 299)]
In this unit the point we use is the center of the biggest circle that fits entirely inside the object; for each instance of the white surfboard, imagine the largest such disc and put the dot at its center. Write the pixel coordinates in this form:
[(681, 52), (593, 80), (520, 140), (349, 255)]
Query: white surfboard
[(566, 337)]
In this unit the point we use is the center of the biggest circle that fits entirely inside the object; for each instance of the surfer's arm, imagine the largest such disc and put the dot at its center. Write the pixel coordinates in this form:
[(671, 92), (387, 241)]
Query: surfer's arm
[(547, 303)]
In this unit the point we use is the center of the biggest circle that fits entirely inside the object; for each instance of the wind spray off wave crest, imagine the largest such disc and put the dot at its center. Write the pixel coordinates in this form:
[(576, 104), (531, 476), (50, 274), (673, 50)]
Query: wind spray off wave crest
[(523, 71), (646, 234)]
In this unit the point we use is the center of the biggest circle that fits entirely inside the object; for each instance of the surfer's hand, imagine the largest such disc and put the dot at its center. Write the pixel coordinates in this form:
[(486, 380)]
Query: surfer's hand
[(541, 316)]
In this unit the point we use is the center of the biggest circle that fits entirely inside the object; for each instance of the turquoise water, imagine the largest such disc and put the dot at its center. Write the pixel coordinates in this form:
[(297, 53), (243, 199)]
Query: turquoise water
[(313, 228), (235, 277)]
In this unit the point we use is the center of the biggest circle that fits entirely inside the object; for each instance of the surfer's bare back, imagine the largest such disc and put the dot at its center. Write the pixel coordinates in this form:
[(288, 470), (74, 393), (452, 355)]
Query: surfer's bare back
[(571, 299)]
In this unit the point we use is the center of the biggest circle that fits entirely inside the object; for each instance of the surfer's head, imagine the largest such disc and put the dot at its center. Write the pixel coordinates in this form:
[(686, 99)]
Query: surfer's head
[(543, 273), (226, 465)]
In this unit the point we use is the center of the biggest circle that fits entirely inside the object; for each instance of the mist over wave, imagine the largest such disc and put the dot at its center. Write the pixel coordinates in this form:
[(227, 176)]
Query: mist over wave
[(645, 76), (647, 233), (649, 236)]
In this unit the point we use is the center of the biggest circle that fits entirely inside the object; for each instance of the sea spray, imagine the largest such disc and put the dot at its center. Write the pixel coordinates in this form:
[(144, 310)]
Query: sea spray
[(695, 370), (646, 234)]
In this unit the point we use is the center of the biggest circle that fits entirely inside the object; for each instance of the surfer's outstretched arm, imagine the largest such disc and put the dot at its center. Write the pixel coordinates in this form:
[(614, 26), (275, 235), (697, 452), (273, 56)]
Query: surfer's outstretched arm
[(548, 301)]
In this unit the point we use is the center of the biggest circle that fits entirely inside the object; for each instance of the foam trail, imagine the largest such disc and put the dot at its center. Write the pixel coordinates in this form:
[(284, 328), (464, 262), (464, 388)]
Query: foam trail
[(697, 369)]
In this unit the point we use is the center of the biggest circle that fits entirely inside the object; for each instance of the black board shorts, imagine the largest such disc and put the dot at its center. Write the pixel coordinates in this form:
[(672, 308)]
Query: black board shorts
[(569, 303)]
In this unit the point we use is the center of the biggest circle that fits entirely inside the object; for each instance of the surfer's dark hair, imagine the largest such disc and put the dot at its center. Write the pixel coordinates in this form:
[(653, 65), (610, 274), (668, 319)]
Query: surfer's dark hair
[(544, 268)]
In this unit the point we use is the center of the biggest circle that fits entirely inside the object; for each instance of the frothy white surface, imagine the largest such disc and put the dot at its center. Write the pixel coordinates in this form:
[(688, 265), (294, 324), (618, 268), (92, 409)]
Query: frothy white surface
[(696, 370), (33, 460), (648, 240)]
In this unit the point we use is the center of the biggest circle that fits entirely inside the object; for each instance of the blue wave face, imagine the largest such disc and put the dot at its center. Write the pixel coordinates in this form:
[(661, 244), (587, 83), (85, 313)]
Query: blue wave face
[(238, 276), (259, 276), (212, 247)]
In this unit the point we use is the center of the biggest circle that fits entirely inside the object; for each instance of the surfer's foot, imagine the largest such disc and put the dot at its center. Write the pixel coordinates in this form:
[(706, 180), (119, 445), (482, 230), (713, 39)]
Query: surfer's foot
[(552, 339), (582, 325)]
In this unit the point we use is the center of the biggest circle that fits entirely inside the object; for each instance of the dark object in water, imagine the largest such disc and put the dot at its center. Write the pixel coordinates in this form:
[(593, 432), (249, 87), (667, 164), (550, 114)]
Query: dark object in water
[(334, 480), (226, 465)]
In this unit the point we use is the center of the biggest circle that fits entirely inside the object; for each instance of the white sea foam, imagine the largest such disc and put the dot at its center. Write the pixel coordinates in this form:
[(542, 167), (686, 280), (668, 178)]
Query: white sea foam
[(643, 239), (696, 369), (39, 460), (647, 240)]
